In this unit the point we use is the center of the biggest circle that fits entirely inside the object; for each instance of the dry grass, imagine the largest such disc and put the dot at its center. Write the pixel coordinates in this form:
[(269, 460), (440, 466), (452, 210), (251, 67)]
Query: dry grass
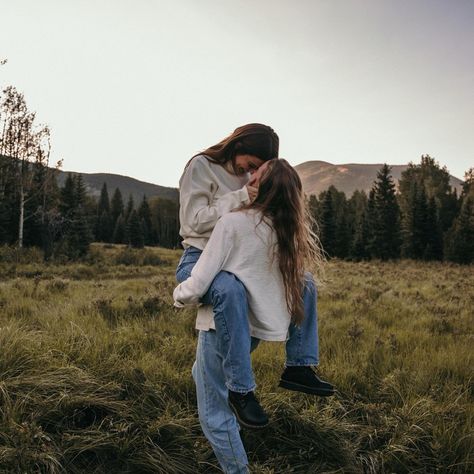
[(95, 372)]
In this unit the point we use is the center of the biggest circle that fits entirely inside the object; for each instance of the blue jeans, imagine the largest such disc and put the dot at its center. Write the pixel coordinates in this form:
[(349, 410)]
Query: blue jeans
[(228, 297), (223, 354), (217, 420)]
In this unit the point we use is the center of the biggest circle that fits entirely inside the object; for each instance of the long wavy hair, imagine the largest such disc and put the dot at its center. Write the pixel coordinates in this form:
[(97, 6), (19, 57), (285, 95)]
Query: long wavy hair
[(254, 139), (281, 201)]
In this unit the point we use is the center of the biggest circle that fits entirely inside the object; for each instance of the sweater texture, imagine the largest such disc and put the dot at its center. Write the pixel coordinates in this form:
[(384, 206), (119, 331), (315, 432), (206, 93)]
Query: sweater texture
[(243, 244), (207, 191)]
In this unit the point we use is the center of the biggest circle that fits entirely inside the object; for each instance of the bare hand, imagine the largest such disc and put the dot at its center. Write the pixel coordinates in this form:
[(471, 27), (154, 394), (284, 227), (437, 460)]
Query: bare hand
[(252, 190)]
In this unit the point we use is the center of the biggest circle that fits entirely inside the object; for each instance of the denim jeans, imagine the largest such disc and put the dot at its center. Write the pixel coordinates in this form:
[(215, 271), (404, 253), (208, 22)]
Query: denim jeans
[(217, 420), (228, 297), (224, 354)]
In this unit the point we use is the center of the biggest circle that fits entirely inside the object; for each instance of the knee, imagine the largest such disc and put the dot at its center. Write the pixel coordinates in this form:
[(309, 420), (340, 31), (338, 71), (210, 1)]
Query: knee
[(227, 287)]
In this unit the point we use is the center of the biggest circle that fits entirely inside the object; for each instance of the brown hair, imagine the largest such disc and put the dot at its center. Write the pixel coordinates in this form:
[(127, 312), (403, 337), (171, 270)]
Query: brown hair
[(281, 200), (252, 139)]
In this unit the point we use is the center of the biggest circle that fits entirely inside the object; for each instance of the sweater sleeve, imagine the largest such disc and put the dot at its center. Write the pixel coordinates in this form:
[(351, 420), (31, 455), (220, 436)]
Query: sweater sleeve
[(199, 212), (210, 263)]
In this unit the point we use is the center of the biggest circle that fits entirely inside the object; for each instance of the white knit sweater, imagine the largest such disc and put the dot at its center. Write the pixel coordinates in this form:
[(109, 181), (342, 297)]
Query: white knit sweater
[(207, 191), (242, 244)]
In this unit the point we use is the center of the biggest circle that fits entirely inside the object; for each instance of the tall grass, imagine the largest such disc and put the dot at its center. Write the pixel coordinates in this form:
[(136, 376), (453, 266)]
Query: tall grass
[(95, 372)]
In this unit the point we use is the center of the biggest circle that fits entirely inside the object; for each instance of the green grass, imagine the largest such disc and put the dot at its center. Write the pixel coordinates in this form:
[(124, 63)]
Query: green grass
[(95, 372)]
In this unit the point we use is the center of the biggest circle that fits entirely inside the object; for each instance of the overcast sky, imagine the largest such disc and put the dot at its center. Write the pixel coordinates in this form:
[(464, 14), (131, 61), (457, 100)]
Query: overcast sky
[(136, 87)]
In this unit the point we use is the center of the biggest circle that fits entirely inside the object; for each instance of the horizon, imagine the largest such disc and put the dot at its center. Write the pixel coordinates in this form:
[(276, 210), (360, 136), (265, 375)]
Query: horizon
[(145, 85)]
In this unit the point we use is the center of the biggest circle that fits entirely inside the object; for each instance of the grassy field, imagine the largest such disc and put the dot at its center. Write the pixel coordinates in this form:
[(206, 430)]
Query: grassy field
[(95, 372)]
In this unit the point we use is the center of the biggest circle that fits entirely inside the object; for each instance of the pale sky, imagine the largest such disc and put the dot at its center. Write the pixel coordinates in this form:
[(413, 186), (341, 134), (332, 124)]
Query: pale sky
[(136, 87)]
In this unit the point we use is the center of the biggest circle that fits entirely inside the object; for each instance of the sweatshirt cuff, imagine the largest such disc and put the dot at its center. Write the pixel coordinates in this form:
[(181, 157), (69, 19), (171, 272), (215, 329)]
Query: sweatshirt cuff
[(245, 195)]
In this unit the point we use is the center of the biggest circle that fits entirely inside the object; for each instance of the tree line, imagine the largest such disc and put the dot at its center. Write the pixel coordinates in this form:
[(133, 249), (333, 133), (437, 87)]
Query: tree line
[(63, 221), (424, 219)]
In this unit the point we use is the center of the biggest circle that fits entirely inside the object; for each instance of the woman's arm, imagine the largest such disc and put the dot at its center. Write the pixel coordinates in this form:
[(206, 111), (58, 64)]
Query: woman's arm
[(198, 211), (210, 263)]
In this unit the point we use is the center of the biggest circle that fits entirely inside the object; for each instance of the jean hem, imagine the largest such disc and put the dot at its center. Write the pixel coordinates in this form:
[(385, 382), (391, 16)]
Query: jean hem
[(310, 363), (240, 390)]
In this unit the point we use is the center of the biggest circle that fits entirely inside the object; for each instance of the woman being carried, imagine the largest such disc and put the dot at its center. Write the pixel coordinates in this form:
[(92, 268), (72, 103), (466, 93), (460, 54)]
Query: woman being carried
[(265, 246)]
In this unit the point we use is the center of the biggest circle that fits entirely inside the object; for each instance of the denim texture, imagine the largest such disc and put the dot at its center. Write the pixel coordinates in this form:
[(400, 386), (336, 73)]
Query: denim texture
[(223, 357), (228, 297), (217, 420)]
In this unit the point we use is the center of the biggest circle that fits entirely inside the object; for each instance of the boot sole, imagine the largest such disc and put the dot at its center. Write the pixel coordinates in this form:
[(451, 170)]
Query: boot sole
[(322, 392), (244, 423)]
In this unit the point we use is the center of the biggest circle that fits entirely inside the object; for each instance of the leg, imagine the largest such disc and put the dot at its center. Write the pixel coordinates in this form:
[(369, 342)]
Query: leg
[(302, 346), (228, 297), (302, 349), (215, 416)]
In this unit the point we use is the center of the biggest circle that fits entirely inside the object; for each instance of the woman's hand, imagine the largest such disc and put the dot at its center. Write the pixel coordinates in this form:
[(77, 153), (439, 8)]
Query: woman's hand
[(252, 187), (252, 190)]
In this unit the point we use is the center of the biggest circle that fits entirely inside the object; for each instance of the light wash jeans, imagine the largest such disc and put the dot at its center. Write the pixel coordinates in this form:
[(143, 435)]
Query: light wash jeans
[(223, 357), (228, 297), (217, 420)]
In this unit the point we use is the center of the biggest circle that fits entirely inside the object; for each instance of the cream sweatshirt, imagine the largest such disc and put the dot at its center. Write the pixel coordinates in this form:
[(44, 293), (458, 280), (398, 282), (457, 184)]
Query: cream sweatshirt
[(207, 191), (241, 244)]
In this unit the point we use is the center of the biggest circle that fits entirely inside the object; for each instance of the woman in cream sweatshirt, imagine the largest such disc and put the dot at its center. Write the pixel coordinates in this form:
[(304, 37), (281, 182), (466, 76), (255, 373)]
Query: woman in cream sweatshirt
[(213, 184)]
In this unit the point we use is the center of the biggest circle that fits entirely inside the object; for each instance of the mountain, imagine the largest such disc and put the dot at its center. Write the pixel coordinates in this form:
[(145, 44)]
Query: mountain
[(317, 176), (127, 186)]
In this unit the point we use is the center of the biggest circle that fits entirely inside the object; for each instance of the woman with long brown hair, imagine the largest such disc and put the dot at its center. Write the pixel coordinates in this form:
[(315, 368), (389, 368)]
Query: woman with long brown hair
[(264, 246)]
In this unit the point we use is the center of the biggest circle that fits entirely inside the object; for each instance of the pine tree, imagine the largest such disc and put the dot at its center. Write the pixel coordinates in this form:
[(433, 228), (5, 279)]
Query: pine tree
[(386, 229), (327, 222), (120, 230), (144, 213), (116, 205), (165, 222), (357, 210), (130, 207), (460, 237), (135, 231), (67, 201), (420, 223), (434, 242), (103, 226), (76, 226)]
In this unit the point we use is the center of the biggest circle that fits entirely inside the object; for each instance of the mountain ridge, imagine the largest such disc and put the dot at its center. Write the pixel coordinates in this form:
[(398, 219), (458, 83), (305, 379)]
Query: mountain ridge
[(316, 176)]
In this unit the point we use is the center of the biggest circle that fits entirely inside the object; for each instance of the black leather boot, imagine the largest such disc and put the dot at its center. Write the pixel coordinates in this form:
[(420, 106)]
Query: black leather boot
[(304, 379), (247, 410)]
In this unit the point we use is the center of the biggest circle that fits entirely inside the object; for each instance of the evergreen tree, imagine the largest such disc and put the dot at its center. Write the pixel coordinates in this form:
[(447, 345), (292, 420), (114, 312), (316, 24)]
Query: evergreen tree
[(9, 204), (165, 222), (80, 192), (420, 223), (357, 209), (73, 207), (144, 213), (135, 231), (460, 237), (130, 207), (370, 223), (117, 206), (120, 231), (327, 223), (386, 228), (434, 242), (103, 226), (79, 235), (67, 202)]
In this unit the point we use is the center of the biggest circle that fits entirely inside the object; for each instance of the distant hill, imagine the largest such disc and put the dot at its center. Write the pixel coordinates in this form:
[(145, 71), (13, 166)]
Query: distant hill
[(317, 176), (127, 186)]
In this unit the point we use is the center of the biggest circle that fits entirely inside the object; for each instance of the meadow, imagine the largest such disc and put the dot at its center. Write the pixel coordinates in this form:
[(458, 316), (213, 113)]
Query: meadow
[(95, 371)]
